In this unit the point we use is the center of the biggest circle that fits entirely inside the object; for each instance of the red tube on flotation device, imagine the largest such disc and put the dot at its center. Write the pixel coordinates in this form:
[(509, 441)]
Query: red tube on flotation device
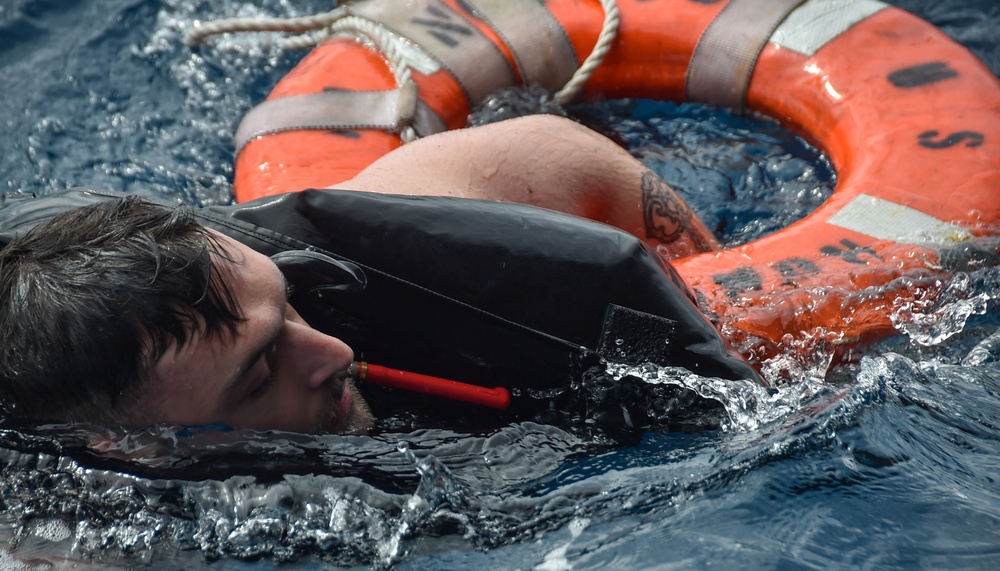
[(497, 397)]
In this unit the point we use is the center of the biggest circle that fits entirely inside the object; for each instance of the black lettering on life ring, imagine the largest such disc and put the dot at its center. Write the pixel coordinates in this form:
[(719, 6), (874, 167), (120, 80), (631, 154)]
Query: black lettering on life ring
[(794, 268), (739, 281), (850, 252), (440, 24), (922, 74), (972, 138)]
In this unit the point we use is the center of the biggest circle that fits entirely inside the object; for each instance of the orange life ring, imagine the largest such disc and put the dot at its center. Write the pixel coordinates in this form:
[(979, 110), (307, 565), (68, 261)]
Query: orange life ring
[(909, 118)]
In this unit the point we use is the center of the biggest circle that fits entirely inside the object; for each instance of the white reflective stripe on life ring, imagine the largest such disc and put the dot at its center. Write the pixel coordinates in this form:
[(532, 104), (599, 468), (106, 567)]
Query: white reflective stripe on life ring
[(887, 220), (813, 24)]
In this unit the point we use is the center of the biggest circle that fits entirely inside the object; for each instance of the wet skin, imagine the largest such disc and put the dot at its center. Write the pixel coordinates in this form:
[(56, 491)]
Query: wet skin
[(276, 372)]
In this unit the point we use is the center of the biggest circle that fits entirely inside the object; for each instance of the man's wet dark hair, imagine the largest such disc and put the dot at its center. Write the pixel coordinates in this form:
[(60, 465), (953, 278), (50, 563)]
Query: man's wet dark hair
[(92, 298)]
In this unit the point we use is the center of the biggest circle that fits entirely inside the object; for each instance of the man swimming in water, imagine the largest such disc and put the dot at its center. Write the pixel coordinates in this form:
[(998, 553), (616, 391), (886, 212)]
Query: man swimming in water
[(128, 312)]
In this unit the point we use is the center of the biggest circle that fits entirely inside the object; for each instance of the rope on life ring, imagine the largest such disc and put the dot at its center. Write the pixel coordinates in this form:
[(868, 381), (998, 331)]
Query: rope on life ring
[(340, 21), (301, 25), (910, 119)]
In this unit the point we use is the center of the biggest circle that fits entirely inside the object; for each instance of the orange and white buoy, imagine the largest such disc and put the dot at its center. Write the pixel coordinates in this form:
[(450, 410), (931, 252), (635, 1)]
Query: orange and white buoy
[(909, 118)]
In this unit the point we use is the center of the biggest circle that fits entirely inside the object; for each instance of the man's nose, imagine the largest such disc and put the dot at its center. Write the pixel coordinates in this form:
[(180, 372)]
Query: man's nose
[(312, 355)]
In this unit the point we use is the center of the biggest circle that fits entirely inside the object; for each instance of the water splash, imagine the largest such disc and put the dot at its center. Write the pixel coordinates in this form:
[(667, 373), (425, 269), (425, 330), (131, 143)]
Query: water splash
[(218, 83), (276, 515), (931, 323), (986, 351), (437, 488), (748, 404)]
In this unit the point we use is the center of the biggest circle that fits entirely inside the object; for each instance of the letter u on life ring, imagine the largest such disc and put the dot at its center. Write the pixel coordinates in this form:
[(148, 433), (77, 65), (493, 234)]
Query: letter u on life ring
[(909, 118)]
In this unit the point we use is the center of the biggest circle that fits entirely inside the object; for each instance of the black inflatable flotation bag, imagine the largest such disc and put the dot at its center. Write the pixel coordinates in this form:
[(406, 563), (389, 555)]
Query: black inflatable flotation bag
[(482, 292)]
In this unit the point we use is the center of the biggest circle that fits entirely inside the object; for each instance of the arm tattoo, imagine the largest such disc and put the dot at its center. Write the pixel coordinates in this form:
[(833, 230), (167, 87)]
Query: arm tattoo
[(666, 216)]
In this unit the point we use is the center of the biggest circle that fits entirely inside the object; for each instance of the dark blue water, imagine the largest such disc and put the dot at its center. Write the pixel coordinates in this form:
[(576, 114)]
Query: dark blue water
[(891, 466)]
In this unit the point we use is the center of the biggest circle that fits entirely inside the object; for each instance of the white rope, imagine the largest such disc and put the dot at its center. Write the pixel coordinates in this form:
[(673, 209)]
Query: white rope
[(609, 29), (203, 30), (317, 28), (391, 47), (314, 29)]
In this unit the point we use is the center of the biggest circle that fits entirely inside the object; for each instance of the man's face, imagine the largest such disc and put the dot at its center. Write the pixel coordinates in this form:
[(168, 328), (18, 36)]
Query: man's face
[(276, 372)]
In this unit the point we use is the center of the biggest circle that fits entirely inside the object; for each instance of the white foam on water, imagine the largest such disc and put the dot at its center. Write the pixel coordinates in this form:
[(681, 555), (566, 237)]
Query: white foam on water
[(53, 530)]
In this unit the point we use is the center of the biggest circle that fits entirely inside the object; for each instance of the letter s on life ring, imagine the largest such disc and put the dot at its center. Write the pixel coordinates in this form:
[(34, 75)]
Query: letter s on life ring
[(909, 118)]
